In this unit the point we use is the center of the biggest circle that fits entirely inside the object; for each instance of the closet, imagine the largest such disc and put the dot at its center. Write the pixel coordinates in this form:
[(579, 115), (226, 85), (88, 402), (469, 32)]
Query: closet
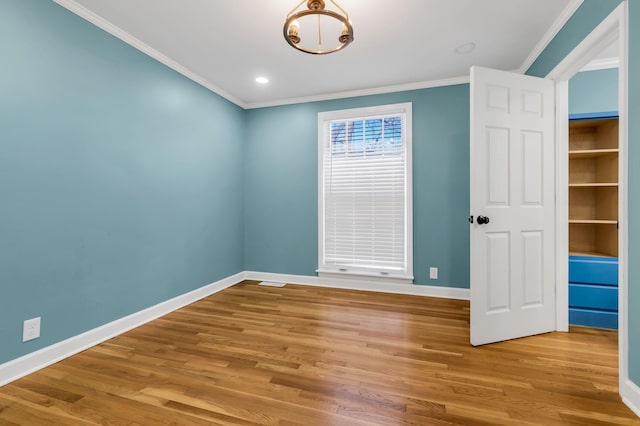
[(593, 221)]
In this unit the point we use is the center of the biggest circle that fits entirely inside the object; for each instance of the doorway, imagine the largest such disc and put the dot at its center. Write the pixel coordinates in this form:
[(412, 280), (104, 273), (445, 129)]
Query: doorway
[(612, 29), (593, 193)]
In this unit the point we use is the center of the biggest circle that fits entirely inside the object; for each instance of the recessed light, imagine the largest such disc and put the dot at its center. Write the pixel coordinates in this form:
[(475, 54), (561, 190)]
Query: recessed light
[(262, 80), (466, 48)]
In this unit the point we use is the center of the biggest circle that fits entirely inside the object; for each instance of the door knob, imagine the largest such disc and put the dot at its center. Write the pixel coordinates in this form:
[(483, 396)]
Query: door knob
[(482, 220)]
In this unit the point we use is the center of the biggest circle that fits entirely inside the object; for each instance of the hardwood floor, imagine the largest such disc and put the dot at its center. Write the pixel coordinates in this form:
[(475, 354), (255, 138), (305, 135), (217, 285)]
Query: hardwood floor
[(314, 356)]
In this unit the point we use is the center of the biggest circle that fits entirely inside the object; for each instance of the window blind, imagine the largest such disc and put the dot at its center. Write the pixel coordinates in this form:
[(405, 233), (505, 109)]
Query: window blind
[(364, 200)]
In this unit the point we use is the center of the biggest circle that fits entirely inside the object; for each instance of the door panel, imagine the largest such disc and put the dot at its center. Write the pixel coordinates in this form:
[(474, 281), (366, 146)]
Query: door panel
[(512, 183), (532, 167), (533, 272), (498, 273), (497, 146)]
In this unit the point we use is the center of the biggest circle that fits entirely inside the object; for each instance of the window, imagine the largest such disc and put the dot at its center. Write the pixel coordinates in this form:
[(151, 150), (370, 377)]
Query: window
[(365, 222)]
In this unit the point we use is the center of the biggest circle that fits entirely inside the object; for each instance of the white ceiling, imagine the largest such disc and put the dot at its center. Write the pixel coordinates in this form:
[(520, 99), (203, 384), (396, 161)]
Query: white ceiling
[(225, 45)]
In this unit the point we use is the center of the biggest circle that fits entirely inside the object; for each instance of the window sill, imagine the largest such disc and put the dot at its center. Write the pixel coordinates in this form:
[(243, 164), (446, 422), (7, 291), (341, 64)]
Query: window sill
[(370, 276)]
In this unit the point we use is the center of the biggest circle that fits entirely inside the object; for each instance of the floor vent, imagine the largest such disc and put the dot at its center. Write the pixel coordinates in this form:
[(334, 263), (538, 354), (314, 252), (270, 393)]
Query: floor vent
[(272, 284)]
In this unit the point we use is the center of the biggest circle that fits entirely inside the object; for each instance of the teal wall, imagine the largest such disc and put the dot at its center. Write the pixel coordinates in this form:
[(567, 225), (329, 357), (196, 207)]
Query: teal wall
[(124, 184), (583, 21), (281, 184), (634, 190), (120, 179), (588, 16), (594, 91)]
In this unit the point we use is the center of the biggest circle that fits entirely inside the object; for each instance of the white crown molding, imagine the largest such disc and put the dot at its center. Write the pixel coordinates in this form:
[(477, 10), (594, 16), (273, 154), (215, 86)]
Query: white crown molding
[(601, 64), (555, 28), (363, 284), (118, 32), (362, 92), (630, 393), (34, 361)]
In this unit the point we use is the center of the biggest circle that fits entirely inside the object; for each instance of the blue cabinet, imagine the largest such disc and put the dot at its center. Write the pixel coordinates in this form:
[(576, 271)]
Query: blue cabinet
[(593, 291)]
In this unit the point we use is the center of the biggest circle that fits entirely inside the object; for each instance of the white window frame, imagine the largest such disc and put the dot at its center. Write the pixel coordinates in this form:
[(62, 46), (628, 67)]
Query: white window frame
[(404, 109)]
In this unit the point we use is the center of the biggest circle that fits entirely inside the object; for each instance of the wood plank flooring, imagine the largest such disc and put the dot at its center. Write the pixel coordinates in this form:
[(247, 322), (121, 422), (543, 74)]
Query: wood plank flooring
[(255, 355)]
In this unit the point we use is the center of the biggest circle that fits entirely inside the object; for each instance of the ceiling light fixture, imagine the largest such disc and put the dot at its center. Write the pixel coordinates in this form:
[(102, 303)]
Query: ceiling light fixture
[(300, 26), (262, 80)]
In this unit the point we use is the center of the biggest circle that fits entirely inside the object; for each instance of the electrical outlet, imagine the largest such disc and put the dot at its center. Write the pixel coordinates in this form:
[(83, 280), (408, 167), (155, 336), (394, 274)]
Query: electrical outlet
[(31, 329), (433, 273)]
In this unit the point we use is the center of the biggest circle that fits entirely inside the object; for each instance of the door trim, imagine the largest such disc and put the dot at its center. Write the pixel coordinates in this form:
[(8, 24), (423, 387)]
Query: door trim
[(612, 27), (562, 205)]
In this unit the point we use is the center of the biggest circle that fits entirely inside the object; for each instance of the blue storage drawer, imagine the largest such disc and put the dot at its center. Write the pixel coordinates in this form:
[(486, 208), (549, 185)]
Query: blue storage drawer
[(593, 318), (593, 270), (593, 291), (593, 297)]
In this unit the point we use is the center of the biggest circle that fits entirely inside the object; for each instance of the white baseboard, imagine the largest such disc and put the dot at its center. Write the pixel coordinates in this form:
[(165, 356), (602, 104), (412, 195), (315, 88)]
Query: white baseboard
[(363, 284), (39, 359), (27, 364), (34, 361), (630, 393)]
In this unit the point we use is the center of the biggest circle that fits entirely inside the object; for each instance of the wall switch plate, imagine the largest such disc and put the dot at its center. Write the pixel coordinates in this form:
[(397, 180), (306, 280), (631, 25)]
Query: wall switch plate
[(433, 273), (31, 329)]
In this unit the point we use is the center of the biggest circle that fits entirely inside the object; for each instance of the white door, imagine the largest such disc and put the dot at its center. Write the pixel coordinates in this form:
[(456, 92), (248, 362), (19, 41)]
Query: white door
[(512, 187)]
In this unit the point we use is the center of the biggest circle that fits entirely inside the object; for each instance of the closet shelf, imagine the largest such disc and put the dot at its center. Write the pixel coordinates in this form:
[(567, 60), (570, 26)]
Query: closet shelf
[(593, 184), (593, 221), (589, 253), (592, 153)]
